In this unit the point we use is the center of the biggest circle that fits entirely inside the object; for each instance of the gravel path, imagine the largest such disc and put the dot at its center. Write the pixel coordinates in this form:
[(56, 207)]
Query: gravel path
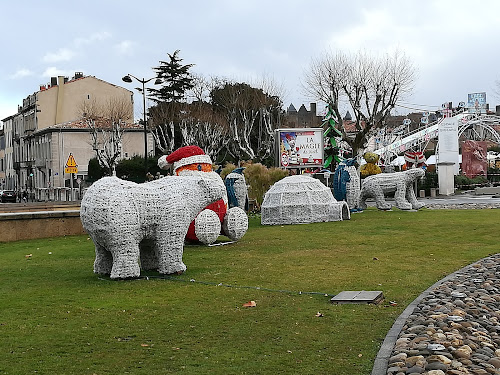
[(464, 206), (453, 328)]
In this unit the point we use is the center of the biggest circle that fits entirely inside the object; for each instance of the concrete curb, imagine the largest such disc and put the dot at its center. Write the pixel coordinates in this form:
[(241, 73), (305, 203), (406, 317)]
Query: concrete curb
[(381, 362), (29, 225), (38, 215)]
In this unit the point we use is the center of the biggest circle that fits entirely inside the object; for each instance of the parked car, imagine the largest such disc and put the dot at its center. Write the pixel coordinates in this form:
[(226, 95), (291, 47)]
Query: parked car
[(8, 196)]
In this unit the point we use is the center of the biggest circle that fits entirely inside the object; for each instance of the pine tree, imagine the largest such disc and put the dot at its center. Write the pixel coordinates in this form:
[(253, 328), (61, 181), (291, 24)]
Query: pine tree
[(176, 80)]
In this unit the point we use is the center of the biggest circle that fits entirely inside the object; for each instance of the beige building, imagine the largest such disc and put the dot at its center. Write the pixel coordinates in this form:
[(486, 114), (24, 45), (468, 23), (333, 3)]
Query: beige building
[(48, 128)]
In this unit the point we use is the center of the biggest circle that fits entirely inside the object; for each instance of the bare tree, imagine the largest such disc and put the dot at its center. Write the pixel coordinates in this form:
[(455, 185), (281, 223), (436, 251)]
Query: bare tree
[(203, 127), (193, 123), (369, 86), (163, 127), (221, 114), (107, 122), (106, 141), (252, 114)]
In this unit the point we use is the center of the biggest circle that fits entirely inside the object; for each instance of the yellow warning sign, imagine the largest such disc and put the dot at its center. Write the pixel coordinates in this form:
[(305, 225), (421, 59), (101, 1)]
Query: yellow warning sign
[(71, 166), (71, 161)]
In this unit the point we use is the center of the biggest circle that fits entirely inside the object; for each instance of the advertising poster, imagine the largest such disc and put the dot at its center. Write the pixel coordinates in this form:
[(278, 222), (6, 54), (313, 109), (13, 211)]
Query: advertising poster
[(474, 158), (300, 148), (476, 102)]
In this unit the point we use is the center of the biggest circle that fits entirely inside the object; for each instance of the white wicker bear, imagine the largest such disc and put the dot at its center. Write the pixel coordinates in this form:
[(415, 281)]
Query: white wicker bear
[(376, 186), (150, 220)]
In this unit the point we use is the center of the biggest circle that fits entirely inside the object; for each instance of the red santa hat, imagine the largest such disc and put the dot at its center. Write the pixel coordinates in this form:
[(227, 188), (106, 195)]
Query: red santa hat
[(184, 156)]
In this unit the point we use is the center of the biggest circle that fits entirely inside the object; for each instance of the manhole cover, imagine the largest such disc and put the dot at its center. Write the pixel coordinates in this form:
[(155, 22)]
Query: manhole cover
[(363, 296)]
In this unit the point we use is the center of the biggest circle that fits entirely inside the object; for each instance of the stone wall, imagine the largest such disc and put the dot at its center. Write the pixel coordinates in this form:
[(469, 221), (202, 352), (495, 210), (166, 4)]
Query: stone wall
[(31, 225)]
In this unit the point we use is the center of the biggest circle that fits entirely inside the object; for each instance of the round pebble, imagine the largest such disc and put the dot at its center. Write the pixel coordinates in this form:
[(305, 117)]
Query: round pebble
[(455, 329)]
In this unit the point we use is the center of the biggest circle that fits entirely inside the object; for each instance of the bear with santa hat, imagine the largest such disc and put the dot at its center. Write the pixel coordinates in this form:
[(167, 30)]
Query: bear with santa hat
[(216, 218)]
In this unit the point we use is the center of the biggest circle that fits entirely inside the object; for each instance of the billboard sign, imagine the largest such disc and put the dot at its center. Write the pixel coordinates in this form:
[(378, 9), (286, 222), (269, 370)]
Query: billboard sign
[(476, 102), (474, 158), (300, 148), (448, 141)]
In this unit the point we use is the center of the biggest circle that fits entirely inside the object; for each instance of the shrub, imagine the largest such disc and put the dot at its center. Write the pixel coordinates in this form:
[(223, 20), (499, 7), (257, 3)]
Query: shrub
[(429, 181), (277, 174), (493, 175), (464, 182), (95, 171), (228, 168), (260, 178), (133, 169)]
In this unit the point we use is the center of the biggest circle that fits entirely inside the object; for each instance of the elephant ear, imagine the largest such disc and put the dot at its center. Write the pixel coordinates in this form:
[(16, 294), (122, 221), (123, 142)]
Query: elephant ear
[(202, 183)]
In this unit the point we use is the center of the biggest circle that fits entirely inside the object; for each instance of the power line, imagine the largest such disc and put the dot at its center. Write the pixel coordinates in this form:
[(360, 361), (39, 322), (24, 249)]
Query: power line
[(419, 108), (174, 278)]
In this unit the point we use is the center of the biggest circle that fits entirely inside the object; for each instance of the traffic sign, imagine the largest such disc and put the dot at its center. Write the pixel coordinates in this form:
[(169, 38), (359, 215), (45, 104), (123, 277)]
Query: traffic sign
[(71, 166), (71, 161)]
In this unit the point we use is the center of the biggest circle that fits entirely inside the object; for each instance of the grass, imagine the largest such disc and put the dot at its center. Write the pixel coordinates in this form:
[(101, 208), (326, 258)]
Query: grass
[(57, 317)]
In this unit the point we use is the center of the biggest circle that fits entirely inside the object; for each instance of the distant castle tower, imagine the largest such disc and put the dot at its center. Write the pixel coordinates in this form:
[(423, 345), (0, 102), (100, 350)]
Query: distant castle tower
[(302, 118)]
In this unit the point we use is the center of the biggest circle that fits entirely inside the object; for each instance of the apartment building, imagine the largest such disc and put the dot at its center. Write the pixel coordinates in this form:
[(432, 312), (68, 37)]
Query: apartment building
[(47, 129)]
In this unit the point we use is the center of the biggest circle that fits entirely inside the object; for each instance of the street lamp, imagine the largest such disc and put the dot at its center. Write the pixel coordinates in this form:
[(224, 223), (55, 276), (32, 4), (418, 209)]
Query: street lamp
[(128, 79)]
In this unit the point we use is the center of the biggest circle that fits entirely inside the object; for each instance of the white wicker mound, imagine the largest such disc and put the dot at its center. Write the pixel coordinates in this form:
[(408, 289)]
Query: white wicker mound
[(128, 221), (207, 226), (401, 183), (301, 200), (235, 223)]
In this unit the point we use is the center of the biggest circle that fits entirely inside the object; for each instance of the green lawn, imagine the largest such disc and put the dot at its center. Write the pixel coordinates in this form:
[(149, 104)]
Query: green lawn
[(58, 317)]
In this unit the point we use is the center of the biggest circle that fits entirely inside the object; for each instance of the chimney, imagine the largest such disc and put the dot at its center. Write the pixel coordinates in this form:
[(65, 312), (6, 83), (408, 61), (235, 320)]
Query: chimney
[(53, 81), (60, 101)]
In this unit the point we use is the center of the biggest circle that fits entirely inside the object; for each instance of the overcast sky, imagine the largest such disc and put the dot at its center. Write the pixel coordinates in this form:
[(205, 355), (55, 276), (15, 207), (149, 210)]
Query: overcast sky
[(453, 44)]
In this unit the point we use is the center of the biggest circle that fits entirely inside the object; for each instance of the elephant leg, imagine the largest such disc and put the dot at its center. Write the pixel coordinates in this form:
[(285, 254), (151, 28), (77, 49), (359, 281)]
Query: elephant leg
[(400, 198), (362, 200), (170, 250), (149, 255), (125, 259), (412, 198), (103, 260), (380, 201), (352, 198)]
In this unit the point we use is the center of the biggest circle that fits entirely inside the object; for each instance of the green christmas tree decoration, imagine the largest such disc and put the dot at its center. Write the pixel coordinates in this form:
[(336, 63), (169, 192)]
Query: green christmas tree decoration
[(331, 133)]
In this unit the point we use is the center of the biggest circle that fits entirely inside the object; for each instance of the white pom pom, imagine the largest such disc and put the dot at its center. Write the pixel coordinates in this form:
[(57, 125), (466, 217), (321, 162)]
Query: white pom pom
[(235, 223), (162, 162), (207, 226)]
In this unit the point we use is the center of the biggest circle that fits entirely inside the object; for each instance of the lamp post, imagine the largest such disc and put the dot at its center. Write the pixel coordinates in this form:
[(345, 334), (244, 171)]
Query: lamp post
[(128, 79)]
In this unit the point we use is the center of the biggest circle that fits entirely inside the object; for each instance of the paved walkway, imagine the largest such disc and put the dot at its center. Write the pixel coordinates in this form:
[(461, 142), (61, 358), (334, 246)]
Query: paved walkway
[(462, 199)]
